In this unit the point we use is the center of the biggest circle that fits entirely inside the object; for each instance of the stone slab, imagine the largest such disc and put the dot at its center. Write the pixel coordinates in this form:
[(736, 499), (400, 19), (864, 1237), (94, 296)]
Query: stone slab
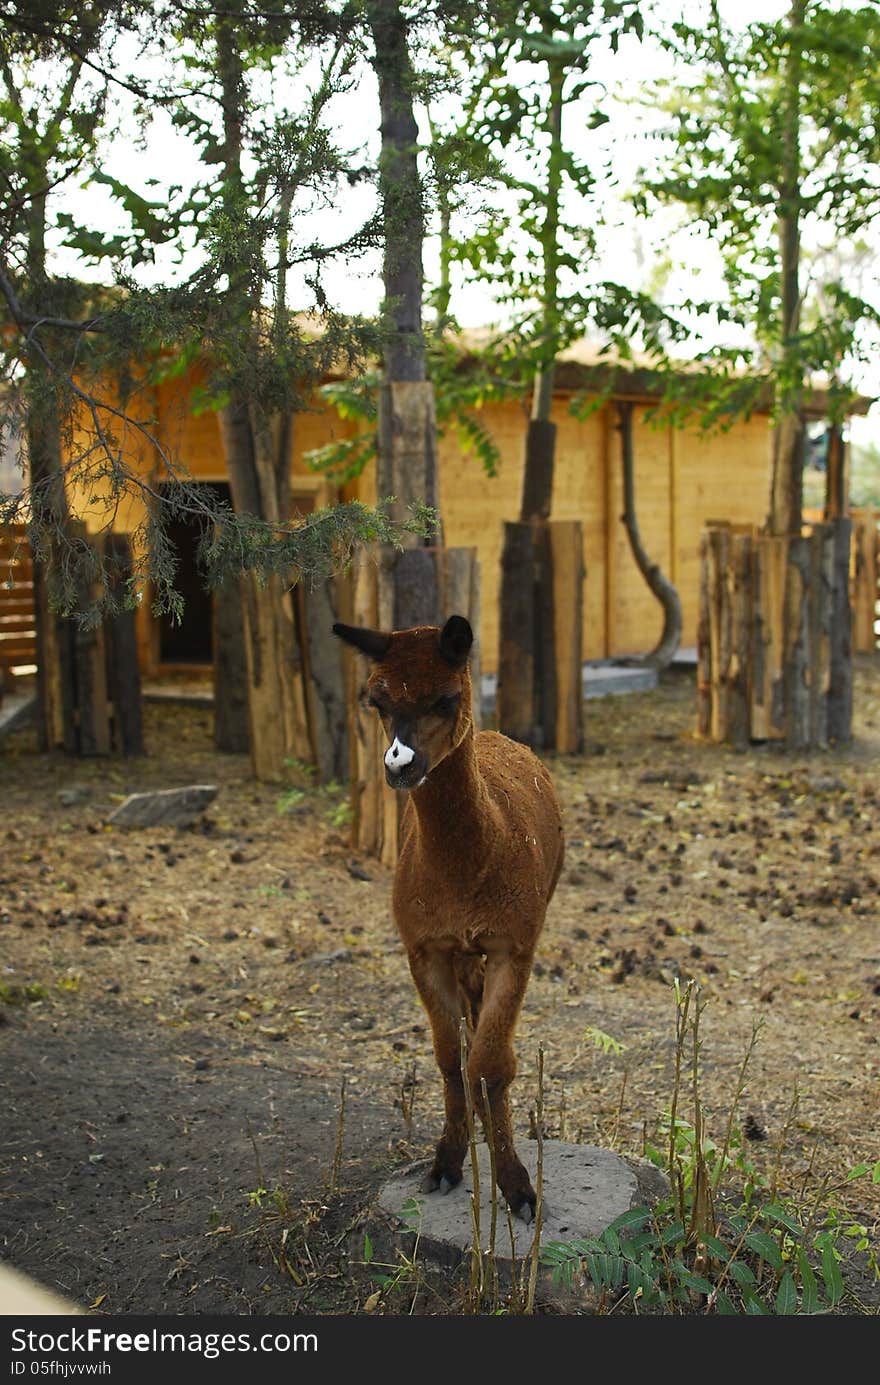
[(585, 1189), (612, 680), (164, 806), (15, 709)]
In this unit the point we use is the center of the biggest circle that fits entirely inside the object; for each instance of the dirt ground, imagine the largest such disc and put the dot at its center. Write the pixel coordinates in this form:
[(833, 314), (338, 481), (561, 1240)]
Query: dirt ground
[(179, 1008)]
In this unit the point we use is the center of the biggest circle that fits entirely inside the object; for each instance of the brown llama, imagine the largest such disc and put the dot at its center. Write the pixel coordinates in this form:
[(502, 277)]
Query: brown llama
[(481, 851)]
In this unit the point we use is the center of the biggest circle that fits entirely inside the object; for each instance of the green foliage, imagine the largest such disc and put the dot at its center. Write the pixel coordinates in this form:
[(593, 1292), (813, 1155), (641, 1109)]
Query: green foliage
[(724, 1240), (748, 148)]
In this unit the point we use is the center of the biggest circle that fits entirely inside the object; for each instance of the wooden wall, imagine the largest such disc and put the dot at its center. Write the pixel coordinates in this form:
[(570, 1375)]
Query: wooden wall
[(682, 481)]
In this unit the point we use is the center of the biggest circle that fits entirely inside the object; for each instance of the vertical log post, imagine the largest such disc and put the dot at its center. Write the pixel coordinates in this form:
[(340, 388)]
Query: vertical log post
[(231, 732), (821, 591), (123, 668), (540, 665), (741, 596), (797, 669), (840, 674), (704, 644), (774, 636)]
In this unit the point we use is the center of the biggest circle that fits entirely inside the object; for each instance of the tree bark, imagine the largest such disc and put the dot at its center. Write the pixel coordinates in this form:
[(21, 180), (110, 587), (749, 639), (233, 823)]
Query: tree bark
[(786, 498), (401, 192), (665, 650), (257, 450)]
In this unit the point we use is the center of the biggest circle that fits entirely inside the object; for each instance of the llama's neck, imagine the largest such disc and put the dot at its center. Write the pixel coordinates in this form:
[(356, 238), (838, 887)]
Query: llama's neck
[(453, 808)]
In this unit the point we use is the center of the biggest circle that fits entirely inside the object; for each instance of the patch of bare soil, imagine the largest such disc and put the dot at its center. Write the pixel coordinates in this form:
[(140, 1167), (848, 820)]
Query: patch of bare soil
[(179, 1008)]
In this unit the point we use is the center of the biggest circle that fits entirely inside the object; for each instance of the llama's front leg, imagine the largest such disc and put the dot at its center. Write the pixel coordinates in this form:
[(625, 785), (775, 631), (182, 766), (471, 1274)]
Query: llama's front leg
[(435, 979), (492, 1057)]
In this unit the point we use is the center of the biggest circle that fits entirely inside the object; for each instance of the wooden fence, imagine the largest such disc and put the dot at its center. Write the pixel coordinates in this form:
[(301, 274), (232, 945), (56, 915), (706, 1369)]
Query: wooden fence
[(864, 575), (774, 638), (18, 631)]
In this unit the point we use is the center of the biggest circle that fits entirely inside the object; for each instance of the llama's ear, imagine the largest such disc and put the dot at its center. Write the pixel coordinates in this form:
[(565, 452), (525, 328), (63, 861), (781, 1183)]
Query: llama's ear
[(456, 639), (374, 643)]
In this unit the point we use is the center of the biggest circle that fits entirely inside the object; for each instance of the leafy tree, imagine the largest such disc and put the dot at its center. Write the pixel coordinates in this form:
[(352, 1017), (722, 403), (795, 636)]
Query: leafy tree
[(529, 81), (774, 147), (265, 362)]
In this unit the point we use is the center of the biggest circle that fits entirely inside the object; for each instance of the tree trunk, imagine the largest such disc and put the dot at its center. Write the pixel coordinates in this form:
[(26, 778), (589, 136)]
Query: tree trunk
[(539, 659), (836, 477), (401, 192), (277, 718), (50, 518), (257, 450), (786, 498), (667, 647)]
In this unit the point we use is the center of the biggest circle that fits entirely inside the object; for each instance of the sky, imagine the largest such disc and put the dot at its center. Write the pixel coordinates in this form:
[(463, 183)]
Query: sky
[(629, 249)]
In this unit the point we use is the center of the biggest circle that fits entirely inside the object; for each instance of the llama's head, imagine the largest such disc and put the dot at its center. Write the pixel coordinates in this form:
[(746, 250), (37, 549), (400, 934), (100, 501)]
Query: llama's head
[(421, 688)]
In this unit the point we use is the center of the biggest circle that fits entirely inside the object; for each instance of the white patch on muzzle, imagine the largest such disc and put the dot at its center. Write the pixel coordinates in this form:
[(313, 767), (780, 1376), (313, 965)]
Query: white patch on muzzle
[(398, 755)]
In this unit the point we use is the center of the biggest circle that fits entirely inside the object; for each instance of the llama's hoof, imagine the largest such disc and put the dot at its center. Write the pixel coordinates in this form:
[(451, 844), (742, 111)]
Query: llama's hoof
[(523, 1206), (439, 1183)]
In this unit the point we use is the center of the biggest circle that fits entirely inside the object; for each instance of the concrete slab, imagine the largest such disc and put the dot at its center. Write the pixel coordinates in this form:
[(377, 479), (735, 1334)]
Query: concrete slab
[(602, 678), (585, 1189), (612, 680), (15, 708)]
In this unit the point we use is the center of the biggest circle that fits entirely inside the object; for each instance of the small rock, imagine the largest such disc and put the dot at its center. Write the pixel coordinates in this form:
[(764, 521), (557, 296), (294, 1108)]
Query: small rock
[(326, 959), (163, 806), (357, 872), (77, 793)]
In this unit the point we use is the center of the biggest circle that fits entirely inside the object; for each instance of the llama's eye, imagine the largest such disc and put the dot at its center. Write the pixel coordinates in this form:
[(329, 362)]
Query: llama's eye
[(445, 706)]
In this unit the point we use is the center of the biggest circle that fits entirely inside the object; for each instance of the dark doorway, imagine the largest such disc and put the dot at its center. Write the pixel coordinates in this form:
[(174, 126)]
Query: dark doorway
[(190, 641)]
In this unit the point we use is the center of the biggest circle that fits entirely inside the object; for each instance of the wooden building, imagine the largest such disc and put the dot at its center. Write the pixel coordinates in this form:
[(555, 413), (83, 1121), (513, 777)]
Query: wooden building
[(683, 480)]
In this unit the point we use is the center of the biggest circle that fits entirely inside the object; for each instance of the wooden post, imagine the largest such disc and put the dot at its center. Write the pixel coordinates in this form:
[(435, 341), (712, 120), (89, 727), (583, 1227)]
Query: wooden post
[(92, 714), (565, 549), (325, 685), (768, 707), (540, 660), (704, 644), (864, 580), (741, 595), (840, 677), (774, 636), (719, 629), (821, 589), (231, 732), (515, 696), (797, 665), (123, 669)]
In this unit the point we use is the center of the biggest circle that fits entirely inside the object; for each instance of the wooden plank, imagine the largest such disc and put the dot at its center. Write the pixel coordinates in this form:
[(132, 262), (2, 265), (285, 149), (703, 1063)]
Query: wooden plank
[(840, 678), (123, 668), (229, 669), (797, 672), (821, 581), (864, 581), (317, 609), (719, 629), (517, 654), (739, 677), (768, 719), (704, 644), (462, 583), (364, 728), (545, 700), (567, 553), (55, 658)]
